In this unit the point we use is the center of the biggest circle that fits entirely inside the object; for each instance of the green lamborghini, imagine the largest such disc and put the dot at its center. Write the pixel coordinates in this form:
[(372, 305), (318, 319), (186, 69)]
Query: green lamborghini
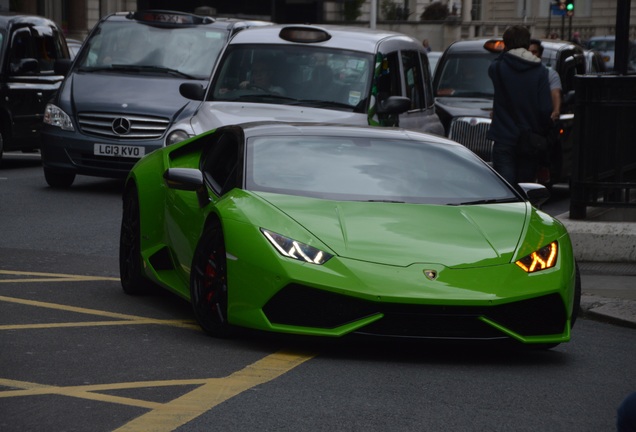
[(330, 230)]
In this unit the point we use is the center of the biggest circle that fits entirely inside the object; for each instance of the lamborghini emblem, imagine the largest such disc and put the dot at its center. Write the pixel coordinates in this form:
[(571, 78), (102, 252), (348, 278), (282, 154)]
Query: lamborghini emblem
[(430, 274)]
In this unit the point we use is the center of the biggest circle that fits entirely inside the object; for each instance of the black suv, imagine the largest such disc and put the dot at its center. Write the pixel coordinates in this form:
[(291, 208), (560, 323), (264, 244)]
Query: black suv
[(122, 91), (464, 94), (30, 47)]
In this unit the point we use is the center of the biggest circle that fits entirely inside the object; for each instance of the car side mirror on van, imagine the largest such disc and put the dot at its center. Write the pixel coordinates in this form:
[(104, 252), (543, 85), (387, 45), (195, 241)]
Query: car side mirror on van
[(26, 65), (193, 91), (393, 105), (62, 66)]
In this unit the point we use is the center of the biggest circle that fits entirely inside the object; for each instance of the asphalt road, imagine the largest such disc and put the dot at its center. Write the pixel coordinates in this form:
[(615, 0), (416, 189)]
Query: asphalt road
[(76, 354)]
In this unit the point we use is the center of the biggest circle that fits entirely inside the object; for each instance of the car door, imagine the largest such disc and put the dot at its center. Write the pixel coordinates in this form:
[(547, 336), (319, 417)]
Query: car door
[(31, 80), (408, 74)]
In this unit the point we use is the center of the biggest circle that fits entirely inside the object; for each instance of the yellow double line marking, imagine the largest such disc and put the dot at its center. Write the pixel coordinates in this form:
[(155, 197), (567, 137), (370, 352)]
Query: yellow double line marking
[(171, 415), (162, 416)]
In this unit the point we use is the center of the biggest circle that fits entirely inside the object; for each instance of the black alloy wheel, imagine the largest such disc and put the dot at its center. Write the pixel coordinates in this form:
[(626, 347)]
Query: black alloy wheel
[(208, 283), (130, 263)]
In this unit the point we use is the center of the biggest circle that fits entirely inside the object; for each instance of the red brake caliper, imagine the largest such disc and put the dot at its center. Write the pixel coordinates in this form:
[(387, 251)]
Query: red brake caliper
[(210, 276)]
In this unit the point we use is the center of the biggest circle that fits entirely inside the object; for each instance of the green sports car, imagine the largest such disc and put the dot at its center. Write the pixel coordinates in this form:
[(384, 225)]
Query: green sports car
[(332, 230)]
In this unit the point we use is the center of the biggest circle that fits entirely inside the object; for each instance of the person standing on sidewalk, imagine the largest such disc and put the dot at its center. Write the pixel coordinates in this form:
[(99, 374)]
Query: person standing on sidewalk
[(522, 102), (556, 90)]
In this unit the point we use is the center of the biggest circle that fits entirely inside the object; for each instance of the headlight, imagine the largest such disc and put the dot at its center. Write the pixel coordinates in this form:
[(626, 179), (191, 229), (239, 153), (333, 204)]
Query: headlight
[(54, 116), (177, 136), (293, 249), (541, 259)]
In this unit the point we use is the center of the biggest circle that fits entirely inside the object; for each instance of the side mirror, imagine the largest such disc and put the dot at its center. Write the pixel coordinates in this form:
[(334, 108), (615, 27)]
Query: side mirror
[(394, 105), (27, 65), (192, 91), (536, 193), (187, 179)]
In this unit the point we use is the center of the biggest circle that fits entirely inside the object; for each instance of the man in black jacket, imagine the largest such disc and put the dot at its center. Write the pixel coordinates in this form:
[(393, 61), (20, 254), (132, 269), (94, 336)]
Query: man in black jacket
[(522, 102)]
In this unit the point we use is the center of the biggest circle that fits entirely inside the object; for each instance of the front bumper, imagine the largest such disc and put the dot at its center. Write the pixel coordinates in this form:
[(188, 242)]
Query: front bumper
[(73, 152)]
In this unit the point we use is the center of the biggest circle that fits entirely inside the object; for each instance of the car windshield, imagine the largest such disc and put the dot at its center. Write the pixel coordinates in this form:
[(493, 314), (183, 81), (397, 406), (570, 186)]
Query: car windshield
[(465, 75), (139, 48), (602, 44), (296, 75), (371, 169)]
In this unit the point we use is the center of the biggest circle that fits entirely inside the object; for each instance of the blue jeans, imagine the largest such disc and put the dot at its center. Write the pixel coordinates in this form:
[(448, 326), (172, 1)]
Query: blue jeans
[(513, 168)]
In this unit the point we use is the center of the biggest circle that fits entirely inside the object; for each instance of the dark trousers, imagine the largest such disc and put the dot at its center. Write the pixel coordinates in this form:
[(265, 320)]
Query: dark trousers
[(512, 167)]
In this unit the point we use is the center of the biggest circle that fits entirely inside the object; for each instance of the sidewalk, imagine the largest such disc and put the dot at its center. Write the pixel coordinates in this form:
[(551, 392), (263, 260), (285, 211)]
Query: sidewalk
[(605, 249)]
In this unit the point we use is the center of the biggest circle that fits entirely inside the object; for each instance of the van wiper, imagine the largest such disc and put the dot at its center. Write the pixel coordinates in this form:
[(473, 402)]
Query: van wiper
[(150, 68), (323, 104)]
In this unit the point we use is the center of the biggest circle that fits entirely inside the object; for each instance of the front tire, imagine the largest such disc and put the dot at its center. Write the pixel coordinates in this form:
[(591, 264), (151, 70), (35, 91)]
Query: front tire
[(208, 283), (58, 179), (130, 262)]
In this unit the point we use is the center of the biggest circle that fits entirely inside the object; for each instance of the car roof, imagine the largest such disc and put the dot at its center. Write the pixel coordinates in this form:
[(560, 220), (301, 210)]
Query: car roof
[(353, 38), (18, 18), (202, 20), (325, 129)]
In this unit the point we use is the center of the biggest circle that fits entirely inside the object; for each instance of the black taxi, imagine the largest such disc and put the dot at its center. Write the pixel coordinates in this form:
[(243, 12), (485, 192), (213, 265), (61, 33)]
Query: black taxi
[(464, 95), (29, 46)]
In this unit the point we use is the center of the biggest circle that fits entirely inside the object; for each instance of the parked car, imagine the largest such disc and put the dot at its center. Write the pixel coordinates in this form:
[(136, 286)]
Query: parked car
[(606, 46), (122, 93), (325, 73), (464, 95), (30, 45), (332, 230), (74, 46), (594, 63), (433, 58)]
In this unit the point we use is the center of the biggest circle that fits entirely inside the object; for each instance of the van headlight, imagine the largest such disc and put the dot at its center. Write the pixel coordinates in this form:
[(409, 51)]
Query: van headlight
[(55, 116), (176, 136)]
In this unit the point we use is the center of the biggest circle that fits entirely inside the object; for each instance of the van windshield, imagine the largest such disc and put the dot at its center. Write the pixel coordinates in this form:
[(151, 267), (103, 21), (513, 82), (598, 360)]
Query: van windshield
[(133, 46), (291, 74)]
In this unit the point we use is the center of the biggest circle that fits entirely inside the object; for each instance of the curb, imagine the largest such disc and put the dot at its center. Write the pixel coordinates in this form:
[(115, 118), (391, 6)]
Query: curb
[(610, 310)]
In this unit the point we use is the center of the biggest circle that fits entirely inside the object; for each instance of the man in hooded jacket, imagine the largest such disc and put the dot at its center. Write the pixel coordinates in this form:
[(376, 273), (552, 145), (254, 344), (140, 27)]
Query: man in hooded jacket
[(522, 102)]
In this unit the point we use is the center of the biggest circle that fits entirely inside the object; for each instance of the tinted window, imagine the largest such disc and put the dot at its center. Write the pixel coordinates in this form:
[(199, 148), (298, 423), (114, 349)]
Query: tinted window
[(41, 44), (413, 79)]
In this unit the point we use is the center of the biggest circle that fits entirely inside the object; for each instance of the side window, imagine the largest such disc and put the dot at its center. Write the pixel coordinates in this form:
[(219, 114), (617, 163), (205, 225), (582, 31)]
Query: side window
[(22, 52), (388, 81), (413, 79), (220, 164), (428, 81)]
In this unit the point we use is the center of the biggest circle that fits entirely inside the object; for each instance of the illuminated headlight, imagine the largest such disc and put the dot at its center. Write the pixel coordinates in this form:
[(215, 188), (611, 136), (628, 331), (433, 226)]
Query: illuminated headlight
[(177, 136), (541, 259), (293, 249), (54, 116)]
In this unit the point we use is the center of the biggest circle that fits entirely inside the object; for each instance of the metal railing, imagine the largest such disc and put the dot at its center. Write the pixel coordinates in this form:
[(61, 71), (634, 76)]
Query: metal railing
[(604, 165)]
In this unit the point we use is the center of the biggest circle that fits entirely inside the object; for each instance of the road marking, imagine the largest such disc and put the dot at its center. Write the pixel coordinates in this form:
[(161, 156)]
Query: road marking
[(51, 277), (123, 319), (177, 412), (162, 416)]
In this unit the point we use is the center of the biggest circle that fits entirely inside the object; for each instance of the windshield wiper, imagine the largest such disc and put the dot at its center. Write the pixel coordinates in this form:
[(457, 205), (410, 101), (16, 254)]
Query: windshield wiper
[(385, 201), (486, 201), (148, 68), (322, 104)]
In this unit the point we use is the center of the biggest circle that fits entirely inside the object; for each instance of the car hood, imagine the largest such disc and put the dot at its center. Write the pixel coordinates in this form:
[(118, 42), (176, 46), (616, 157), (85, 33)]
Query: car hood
[(214, 114), (144, 94), (404, 234), (460, 106)]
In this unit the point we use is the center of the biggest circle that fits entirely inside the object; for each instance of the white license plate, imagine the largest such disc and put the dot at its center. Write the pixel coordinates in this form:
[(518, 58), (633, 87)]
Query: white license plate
[(116, 150)]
